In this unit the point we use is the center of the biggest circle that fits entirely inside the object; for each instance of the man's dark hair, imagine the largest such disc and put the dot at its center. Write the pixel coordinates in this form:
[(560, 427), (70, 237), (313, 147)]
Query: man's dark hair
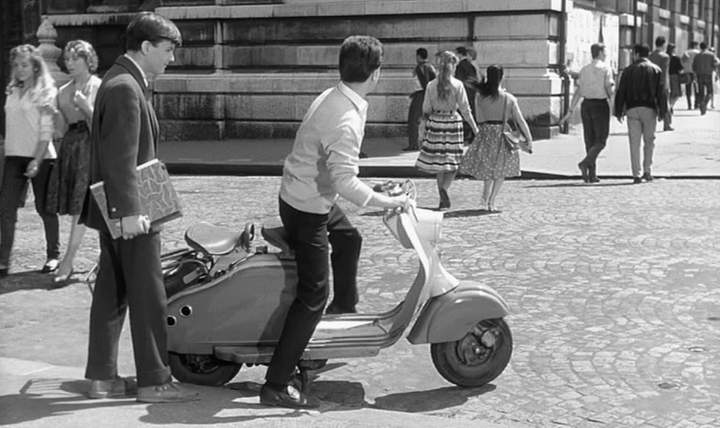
[(596, 49), (641, 50), (360, 56), (659, 41), (703, 45), (461, 50), (694, 44), (422, 53), (151, 27), (670, 49)]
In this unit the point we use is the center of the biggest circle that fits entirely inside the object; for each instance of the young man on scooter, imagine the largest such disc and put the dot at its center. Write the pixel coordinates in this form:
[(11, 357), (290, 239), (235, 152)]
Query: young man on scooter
[(322, 166)]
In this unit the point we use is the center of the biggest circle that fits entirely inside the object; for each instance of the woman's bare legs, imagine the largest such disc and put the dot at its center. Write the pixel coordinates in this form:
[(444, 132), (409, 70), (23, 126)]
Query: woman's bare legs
[(444, 180), (496, 185), (77, 231)]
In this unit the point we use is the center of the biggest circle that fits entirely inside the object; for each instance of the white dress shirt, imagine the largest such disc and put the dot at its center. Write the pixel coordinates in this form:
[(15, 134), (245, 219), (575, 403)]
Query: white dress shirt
[(323, 163)]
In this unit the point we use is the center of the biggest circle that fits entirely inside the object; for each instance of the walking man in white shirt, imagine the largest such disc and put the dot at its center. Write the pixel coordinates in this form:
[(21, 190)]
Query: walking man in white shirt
[(595, 88), (322, 166)]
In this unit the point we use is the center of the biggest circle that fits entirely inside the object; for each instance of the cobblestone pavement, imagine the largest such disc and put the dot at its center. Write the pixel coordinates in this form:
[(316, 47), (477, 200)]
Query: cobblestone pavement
[(614, 291)]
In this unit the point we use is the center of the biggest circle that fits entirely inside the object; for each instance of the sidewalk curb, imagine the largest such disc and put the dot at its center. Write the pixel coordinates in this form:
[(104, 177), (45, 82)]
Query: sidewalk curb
[(392, 171)]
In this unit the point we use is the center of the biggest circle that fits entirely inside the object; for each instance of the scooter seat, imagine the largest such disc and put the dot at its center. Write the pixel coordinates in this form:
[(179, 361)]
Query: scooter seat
[(211, 239), (278, 237)]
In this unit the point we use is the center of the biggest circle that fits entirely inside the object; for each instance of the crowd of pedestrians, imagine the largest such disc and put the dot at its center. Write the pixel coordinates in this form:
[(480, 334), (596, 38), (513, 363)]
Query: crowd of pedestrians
[(647, 92)]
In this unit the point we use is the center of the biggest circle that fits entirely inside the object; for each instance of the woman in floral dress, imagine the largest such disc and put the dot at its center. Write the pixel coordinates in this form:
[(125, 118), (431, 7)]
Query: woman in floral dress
[(489, 158), (442, 126)]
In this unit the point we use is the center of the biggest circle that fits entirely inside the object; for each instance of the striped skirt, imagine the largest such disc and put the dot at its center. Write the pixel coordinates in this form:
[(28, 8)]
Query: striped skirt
[(441, 149)]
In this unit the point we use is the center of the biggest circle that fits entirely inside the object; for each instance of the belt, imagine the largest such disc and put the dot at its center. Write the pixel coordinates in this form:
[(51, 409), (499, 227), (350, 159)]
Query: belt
[(595, 99), (492, 122), (81, 125)]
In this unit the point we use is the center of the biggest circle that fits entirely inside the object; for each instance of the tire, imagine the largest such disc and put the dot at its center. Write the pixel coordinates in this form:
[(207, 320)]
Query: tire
[(469, 362), (202, 369)]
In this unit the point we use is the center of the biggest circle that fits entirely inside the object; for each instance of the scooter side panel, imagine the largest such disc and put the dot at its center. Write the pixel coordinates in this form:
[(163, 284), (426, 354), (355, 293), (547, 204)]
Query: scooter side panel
[(449, 317), (246, 306)]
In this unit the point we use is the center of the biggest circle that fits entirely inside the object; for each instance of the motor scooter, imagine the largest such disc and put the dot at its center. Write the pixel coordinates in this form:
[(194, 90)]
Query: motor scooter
[(227, 304)]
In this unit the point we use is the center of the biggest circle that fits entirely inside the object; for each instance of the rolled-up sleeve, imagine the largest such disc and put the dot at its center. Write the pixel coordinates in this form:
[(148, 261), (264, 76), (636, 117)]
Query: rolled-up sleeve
[(342, 147)]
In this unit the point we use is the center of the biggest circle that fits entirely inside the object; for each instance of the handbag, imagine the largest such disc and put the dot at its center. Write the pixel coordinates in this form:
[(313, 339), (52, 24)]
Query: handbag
[(513, 139)]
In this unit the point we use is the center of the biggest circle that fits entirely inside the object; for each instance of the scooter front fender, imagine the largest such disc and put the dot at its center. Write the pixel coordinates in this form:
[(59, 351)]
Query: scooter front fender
[(451, 316)]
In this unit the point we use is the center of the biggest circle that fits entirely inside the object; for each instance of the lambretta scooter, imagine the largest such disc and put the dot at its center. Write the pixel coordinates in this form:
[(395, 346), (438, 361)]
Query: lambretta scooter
[(227, 304)]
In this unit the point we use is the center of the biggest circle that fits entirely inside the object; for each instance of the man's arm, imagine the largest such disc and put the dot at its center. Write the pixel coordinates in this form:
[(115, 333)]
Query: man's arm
[(343, 149), (118, 149)]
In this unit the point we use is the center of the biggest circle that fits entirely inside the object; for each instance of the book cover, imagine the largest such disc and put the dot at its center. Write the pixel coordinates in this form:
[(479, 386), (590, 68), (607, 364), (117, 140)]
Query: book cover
[(158, 198)]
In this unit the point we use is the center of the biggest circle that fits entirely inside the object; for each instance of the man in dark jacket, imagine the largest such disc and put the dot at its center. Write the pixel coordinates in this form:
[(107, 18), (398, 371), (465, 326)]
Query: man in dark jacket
[(424, 72), (704, 64), (124, 135), (468, 74), (660, 58), (641, 97)]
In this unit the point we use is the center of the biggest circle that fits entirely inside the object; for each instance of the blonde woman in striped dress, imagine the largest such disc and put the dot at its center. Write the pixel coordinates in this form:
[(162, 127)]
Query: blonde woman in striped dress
[(442, 127)]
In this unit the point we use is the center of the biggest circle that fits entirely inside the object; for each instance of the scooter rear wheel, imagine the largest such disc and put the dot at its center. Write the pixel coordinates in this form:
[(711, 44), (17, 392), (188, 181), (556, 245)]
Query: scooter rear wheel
[(476, 359), (201, 369)]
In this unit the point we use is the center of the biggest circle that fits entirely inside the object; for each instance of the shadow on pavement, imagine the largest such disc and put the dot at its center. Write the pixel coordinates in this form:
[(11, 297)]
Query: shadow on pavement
[(426, 401), (34, 280), (474, 212), (43, 398)]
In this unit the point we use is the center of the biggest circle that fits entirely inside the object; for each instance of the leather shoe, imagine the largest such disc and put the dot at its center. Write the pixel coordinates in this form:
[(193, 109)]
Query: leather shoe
[(334, 309), (112, 388), (289, 396), (50, 266), (637, 180), (647, 176), (166, 393)]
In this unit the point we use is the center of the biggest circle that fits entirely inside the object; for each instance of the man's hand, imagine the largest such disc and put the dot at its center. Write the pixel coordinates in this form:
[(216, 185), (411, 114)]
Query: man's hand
[(32, 168), (619, 118), (134, 225), (565, 118)]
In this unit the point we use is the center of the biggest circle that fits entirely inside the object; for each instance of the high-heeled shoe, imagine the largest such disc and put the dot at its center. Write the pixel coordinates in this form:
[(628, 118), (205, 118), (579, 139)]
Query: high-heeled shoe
[(444, 200)]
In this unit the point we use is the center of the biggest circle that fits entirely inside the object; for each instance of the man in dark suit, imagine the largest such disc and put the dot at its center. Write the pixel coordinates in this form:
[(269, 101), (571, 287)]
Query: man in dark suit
[(660, 58), (124, 135), (424, 72), (468, 74)]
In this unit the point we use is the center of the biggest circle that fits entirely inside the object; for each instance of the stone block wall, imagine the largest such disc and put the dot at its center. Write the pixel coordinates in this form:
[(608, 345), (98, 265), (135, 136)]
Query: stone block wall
[(252, 71)]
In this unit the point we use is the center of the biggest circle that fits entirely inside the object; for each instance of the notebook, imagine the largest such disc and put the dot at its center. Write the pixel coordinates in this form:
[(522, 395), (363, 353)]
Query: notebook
[(158, 197)]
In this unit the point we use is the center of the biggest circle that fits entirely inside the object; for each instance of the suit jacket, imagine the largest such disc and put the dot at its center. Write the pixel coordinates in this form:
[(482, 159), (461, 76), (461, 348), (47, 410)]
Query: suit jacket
[(124, 135)]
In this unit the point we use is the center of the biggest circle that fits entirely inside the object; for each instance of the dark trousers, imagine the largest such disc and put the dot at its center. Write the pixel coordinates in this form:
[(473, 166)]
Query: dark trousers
[(595, 114), (12, 197), (129, 276), (414, 115), (467, 130), (705, 90), (310, 236), (691, 90)]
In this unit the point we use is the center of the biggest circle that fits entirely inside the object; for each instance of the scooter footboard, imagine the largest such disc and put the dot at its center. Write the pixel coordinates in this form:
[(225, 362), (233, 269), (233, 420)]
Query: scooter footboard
[(451, 316)]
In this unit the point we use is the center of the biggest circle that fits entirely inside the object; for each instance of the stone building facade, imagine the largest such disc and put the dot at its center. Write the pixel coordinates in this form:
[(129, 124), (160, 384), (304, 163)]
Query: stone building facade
[(249, 69)]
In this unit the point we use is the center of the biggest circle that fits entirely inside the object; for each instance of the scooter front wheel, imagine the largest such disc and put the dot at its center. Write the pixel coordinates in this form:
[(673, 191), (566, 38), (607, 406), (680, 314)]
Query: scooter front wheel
[(201, 369), (476, 359)]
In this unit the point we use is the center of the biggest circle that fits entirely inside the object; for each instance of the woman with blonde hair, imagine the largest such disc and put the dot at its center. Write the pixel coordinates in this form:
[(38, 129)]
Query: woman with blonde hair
[(489, 158), (73, 119), (442, 126), (29, 151)]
